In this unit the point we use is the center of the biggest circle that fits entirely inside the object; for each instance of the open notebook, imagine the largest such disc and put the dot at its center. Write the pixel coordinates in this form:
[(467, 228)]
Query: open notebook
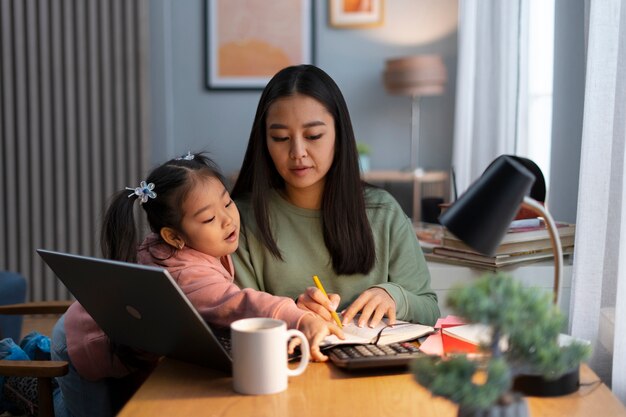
[(383, 334)]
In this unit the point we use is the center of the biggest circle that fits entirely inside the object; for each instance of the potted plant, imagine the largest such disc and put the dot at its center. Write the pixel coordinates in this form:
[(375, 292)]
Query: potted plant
[(364, 156), (528, 323)]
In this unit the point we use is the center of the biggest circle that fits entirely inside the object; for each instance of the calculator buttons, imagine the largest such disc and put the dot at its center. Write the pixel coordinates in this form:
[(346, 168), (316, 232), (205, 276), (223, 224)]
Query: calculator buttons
[(373, 356)]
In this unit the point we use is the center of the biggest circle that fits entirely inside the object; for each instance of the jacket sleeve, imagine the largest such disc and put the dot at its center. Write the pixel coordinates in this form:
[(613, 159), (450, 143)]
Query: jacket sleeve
[(220, 302)]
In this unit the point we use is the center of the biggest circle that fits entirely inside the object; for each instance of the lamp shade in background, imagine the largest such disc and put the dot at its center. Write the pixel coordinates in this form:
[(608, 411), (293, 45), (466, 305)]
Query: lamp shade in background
[(483, 214), (415, 76), (419, 75)]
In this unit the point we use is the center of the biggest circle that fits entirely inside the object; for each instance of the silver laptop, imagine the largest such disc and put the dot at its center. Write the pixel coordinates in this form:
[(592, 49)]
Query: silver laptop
[(142, 307)]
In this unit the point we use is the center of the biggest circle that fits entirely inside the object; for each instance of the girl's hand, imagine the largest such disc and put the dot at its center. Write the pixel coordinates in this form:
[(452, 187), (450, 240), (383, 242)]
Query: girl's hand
[(373, 304), (315, 301), (316, 329)]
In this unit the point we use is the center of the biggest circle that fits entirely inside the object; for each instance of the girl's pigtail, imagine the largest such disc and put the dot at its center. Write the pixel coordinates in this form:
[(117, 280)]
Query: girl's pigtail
[(118, 237)]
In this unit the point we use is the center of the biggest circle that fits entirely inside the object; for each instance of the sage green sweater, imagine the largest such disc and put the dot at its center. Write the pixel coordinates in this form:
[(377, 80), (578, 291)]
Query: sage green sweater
[(400, 267)]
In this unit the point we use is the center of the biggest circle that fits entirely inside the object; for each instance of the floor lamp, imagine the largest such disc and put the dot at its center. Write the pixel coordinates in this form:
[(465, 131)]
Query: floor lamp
[(415, 76)]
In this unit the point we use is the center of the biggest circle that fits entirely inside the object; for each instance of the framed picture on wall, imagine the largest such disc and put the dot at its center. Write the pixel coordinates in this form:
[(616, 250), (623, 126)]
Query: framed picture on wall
[(248, 41), (355, 13)]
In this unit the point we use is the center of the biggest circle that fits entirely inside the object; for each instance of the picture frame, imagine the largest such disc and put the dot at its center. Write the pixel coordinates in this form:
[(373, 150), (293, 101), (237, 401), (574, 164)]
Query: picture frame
[(356, 13), (248, 41)]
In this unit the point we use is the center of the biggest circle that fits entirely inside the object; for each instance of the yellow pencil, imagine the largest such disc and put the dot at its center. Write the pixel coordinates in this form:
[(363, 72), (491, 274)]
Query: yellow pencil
[(319, 285)]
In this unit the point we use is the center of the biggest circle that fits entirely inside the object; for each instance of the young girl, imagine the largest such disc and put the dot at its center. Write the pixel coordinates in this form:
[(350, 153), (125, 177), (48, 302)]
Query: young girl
[(195, 227)]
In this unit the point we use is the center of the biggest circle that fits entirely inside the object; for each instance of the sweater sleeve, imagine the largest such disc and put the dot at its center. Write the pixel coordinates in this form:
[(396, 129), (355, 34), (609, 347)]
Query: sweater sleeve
[(220, 302), (409, 279)]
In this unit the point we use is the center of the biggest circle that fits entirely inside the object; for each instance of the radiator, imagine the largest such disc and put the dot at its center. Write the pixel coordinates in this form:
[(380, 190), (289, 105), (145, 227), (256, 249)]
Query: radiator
[(73, 125)]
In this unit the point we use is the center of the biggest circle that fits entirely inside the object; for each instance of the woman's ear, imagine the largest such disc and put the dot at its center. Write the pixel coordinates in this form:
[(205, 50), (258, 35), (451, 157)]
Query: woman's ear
[(172, 237)]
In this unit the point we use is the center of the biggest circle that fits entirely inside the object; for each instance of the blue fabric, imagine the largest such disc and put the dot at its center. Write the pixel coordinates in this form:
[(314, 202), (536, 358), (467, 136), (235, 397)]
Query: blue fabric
[(36, 346), (12, 291), (9, 350)]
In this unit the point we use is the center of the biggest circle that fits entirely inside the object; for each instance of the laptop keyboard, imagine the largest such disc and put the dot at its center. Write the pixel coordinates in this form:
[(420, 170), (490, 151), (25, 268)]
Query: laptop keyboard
[(225, 342), (373, 356)]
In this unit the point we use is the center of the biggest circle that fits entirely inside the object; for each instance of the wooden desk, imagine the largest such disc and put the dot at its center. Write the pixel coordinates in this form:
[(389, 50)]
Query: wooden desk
[(179, 389), (439, 180)]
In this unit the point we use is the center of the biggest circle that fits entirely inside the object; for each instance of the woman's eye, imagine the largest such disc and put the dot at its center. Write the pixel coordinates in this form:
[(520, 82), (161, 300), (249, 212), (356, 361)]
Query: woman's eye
[(209, 220), (280, 139), (229, 203), (314, 137)]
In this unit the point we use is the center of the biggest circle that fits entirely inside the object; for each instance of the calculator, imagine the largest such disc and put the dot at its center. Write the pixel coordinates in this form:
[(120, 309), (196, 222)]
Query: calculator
[(369, 356)]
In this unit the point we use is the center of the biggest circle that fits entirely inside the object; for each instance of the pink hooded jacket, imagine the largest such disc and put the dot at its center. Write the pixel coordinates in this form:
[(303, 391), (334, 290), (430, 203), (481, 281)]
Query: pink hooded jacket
[(208, 283)]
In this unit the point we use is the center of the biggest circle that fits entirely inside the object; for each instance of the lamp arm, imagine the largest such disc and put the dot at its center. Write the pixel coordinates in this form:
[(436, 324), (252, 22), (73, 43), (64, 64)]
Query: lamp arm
[(533, 205)]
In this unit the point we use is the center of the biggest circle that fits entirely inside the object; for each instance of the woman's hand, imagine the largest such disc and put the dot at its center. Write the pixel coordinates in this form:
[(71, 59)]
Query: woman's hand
[(316, 329), (315, 301), (374, 304)]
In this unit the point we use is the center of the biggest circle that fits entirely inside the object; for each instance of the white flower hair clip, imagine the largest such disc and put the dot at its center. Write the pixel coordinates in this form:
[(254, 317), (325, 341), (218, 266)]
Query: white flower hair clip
[(187, 157), (143, 192)]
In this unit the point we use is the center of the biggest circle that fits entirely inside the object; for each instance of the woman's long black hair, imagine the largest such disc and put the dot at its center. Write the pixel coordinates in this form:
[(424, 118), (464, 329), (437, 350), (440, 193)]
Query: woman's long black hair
[(346, 229)]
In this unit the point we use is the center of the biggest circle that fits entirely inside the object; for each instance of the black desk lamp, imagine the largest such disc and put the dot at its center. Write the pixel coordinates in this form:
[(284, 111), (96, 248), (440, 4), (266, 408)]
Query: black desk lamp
[(481, 218), (483, 214)]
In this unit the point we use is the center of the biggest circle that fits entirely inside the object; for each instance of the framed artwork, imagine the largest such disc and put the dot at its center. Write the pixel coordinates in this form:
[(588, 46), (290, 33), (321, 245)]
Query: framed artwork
[(355, 13), (248, 41)]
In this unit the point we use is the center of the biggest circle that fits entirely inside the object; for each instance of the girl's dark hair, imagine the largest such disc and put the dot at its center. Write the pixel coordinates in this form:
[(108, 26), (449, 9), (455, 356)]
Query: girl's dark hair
[(172, 182), (347, 232)]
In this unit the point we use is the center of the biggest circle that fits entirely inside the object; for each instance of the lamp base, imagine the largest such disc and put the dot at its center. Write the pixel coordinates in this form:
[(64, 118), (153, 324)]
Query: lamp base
[(538, 386)]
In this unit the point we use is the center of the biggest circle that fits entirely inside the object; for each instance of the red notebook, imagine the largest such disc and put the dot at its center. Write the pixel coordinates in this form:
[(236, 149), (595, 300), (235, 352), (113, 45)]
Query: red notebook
[(453, 344)]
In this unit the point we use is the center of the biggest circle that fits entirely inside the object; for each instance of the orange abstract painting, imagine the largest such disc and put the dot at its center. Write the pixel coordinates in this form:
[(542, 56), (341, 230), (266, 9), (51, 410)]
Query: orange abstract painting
[(351, 6), (250, 40), (355, 13)]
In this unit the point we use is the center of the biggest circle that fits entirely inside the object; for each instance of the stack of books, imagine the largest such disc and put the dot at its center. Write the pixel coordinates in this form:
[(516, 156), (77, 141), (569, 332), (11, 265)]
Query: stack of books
[(526, 240), (430, 235)]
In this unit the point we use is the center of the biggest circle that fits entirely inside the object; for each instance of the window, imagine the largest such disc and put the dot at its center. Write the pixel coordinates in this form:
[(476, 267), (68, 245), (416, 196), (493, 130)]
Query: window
[(536, 133)]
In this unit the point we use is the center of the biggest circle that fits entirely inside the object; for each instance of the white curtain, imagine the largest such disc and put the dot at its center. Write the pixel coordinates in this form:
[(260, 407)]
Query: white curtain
[(489, 84), (599, 277)]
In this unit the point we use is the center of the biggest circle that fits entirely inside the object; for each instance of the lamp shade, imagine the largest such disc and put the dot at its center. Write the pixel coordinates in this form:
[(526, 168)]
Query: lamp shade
[(419, 75), (483, 214)]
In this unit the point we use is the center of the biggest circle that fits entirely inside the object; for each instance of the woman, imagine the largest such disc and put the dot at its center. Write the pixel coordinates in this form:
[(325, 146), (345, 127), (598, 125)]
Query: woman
[(305, 211)]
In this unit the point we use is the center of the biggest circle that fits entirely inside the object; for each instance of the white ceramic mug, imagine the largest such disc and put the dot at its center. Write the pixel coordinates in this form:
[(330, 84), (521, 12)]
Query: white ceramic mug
[(259, 352)]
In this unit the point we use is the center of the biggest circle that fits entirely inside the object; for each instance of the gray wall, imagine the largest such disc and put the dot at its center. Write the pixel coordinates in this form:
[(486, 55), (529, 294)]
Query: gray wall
[(186, 115)]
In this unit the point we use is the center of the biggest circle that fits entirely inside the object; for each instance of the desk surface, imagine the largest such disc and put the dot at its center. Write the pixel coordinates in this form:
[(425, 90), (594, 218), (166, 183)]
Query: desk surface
[(179, 389)]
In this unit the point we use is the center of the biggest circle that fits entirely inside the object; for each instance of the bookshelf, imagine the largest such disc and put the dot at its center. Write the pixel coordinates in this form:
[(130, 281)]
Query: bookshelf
[(425, 184)]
